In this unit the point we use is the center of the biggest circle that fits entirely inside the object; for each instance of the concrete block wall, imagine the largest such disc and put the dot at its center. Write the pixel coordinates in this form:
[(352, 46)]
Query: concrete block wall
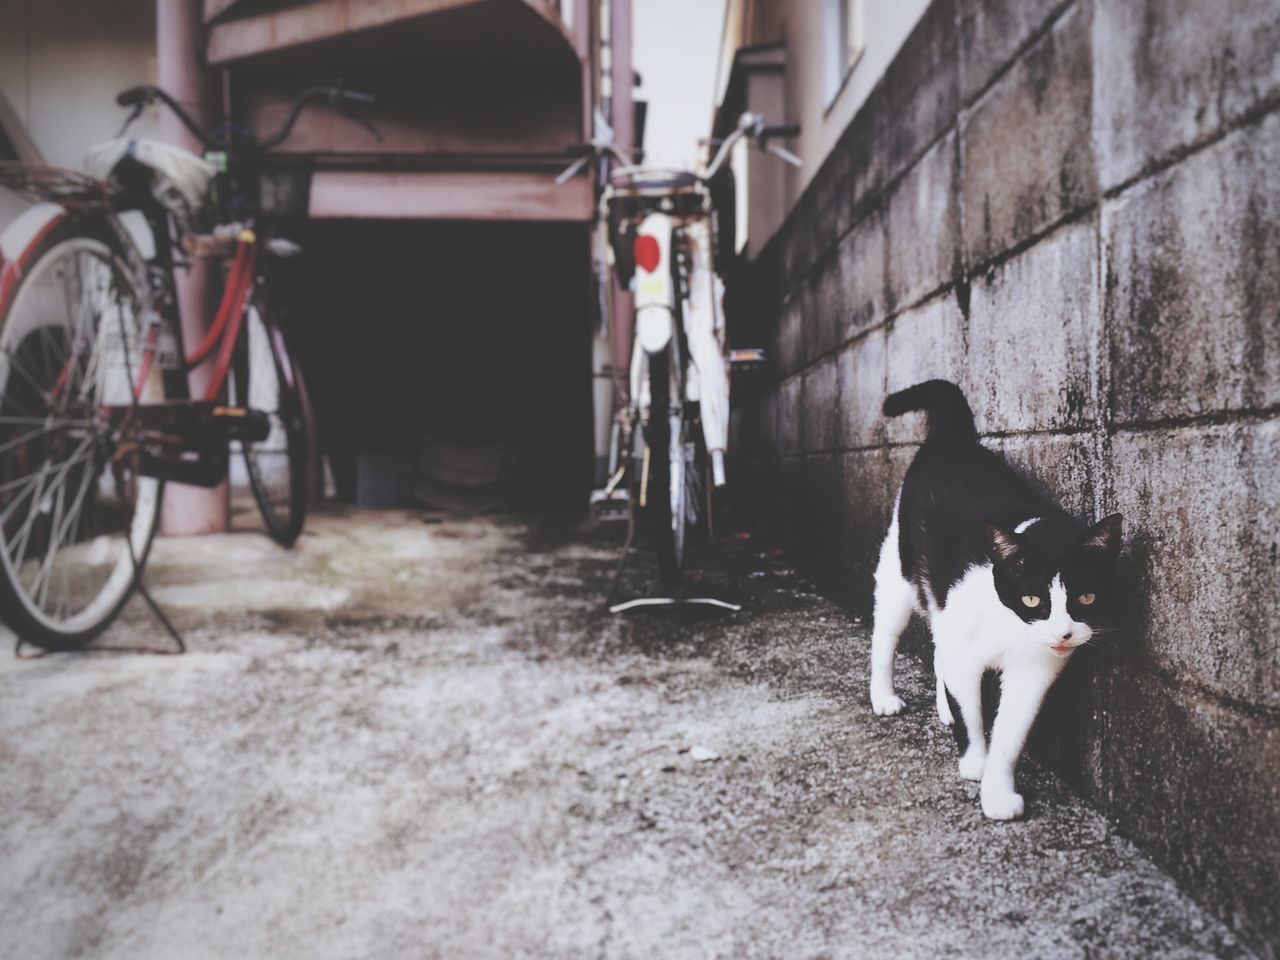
[(1072, 210)]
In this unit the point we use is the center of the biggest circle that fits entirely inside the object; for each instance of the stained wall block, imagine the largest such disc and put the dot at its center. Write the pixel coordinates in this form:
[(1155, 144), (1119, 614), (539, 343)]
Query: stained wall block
[(923, 344), (766, 419), (1202, 509), (991, 32), (1196, 781), (861, 371), (1174, 72), (807, 245), (1060, 467), (864, 507), (752, 427), (830, 192), (820, 406), (1027, 154), (788, 340), (922, 86), (862, 253), (923, 223), (790, 416), (1034, 335), (789, 511), (865, 164), (1193, 282), (828, 292)]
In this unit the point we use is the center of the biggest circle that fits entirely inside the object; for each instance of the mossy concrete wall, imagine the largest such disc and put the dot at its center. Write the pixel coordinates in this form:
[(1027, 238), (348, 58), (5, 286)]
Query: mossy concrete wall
[(1071, 209)]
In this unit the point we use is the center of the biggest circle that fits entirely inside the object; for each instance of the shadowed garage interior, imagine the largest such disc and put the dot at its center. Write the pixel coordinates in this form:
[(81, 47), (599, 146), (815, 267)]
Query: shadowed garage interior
[(470, 335)]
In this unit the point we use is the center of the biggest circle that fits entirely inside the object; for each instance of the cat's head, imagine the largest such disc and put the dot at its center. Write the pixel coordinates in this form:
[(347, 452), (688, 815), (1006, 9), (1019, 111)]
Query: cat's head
[(1062, 587)]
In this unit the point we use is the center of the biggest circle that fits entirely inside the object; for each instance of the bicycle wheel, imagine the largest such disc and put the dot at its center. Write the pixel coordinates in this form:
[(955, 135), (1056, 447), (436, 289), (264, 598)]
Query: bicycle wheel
[(669, 450), (76, 519), (267, 378)]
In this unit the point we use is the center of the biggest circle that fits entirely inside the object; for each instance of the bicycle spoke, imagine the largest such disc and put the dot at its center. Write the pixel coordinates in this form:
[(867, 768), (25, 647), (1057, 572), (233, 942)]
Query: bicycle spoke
[(24, 420), (17, 441), (42, 494), (37, 589), (60, 532)]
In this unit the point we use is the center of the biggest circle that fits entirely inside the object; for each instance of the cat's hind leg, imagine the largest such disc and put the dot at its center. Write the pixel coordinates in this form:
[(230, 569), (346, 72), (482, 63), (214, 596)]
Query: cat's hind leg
[(895, 599)]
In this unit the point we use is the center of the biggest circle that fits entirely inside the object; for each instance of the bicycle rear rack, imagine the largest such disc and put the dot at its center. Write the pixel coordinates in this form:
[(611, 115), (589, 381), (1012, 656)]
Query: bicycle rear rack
[(68, 188)]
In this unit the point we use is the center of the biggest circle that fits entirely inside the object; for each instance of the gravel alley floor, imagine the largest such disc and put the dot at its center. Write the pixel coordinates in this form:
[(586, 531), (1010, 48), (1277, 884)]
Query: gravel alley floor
[(424, 737)]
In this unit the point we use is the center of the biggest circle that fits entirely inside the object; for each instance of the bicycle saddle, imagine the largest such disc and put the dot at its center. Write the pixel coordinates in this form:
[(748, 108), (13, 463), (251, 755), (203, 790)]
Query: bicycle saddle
[(653, 180)]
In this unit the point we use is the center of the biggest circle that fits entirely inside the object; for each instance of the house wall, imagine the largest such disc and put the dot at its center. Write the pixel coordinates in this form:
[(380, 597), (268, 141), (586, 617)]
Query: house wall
[(62, 63), (802, 27), (1070, 209)]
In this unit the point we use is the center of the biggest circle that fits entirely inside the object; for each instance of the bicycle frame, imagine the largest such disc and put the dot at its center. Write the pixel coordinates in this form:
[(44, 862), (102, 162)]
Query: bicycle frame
[(681, 303)]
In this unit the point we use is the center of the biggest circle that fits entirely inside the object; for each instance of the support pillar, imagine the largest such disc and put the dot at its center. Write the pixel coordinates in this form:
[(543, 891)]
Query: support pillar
[(179, 39), (622, 119)]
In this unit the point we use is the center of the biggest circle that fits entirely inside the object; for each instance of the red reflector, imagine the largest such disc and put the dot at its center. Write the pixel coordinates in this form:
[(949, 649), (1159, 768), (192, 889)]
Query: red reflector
[(648, 254)]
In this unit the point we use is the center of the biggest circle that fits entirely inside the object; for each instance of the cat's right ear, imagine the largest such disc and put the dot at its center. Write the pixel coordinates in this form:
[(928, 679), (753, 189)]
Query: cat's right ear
[(1002, 545), (1105, 535)]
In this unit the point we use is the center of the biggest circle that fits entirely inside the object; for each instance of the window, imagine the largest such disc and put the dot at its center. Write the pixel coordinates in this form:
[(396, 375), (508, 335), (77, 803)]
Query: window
[(844, 38)]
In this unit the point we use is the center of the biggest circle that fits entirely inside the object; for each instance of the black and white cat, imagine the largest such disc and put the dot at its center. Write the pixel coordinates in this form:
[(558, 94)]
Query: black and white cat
[(1007, 582)]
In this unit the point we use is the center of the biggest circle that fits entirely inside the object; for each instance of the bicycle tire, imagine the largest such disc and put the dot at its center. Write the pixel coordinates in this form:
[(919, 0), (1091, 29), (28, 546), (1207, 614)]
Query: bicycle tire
[(666, 436), (267, 377), (97, 566)]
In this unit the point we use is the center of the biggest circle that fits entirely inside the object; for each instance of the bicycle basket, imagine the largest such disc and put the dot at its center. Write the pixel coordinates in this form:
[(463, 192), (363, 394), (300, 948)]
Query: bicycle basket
[(285, 193)]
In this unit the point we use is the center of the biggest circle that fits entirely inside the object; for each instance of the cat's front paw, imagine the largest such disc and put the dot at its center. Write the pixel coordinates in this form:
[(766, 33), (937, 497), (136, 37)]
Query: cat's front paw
[(972, 764), (886, 704), (1001, 804)]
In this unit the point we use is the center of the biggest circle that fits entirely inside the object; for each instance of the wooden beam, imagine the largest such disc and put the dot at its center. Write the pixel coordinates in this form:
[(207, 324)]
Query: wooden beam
[(467, 195)]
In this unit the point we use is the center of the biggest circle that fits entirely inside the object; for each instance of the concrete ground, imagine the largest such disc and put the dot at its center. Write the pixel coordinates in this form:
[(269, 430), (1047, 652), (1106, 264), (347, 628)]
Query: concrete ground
[(421, 737)]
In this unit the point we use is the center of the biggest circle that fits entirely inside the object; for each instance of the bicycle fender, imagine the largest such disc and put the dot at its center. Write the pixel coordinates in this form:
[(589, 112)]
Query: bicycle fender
[(19, 242), (654, 328), (654, 303)]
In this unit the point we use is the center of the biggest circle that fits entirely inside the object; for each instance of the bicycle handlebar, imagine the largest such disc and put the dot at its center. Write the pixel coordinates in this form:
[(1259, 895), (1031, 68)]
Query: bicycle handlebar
[(133, 96), (783, 131), (146, 94), (753, 125)]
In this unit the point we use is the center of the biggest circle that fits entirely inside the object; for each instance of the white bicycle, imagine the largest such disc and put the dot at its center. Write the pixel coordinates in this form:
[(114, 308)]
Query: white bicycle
[(663, 234)]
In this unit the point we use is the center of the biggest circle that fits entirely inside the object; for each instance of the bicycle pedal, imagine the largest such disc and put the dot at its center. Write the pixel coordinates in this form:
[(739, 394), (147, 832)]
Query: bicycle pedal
[(610, 507), (749, 359)]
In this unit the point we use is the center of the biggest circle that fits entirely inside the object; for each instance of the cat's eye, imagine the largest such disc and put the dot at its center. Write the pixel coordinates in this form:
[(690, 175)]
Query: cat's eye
[(1031, 601), (1086, 598)]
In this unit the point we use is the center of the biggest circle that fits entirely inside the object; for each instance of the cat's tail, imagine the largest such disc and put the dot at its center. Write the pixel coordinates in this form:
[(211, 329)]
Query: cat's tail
[(948, 410)]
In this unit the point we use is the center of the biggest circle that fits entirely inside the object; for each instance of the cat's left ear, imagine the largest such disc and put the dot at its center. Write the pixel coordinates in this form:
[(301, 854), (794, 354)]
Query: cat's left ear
[(1106, 534)]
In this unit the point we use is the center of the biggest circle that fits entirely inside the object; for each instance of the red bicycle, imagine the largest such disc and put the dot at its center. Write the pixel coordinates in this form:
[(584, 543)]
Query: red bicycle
[(95, 410)]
